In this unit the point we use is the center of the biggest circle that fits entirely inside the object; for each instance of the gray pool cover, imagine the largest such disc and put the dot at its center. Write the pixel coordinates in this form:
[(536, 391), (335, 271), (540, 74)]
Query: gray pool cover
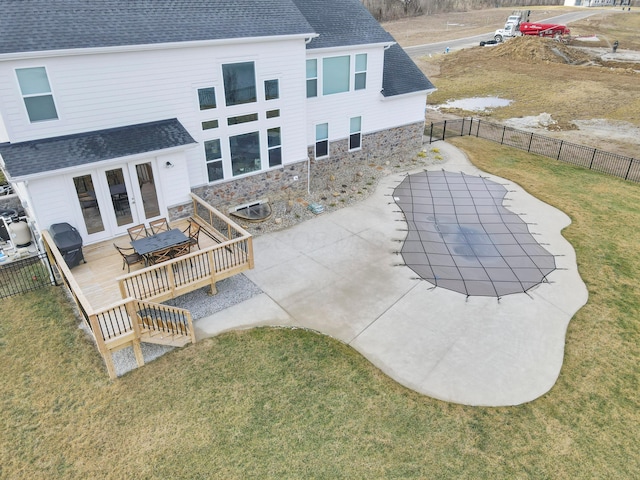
[(462, 238)]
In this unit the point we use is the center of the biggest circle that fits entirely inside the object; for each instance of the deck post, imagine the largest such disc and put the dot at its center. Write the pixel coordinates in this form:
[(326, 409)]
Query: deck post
[(102, 348), (212, 270), (250, 252), (132, 307)]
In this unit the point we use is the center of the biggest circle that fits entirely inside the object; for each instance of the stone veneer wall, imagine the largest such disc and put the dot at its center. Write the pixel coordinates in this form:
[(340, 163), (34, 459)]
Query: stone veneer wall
[(377, 148)]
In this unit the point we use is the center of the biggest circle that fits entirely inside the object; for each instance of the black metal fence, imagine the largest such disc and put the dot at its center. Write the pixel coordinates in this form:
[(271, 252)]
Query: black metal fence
[(580, 155), (25, 275)]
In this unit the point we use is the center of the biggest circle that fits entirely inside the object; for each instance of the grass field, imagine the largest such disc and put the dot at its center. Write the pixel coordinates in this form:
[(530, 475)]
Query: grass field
[(278, 403)]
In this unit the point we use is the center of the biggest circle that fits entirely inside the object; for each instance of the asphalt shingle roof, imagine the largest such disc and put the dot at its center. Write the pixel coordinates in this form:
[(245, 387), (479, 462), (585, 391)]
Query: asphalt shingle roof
[(36, 156), (401, 75), (341, 23), (40, 25)]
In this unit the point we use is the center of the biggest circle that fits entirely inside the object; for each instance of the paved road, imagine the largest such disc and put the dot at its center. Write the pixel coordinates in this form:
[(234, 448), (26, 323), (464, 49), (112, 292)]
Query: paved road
[(439, 47)]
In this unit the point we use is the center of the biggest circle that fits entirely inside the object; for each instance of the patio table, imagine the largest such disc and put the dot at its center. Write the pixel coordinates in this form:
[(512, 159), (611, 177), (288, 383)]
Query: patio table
[(154, 243)]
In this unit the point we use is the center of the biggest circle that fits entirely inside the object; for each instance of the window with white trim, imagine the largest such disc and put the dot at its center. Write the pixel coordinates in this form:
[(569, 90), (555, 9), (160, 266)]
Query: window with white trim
[(335, 74), (213, 158), (271, 89), (360, 80), (209, 124), (312, 78), (245, 153), (239, 83), (274, 147), (207, 98), (355, 133), (36, 93), (322, 140)]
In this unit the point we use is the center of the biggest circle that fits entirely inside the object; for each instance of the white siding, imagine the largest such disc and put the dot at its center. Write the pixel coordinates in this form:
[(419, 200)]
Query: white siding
[(94, 92), (51, 201), (173, 183), (377, 112)]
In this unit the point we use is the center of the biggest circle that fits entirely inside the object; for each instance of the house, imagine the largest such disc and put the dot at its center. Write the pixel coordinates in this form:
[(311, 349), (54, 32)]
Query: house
[(116, 110), (593, 3)]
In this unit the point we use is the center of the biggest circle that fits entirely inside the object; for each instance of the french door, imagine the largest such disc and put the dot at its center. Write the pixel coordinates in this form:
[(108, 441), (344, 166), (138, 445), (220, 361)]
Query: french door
[(115, 198)]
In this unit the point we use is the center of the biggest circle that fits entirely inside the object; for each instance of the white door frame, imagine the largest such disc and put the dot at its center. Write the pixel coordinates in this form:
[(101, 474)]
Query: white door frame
[(103, 197)]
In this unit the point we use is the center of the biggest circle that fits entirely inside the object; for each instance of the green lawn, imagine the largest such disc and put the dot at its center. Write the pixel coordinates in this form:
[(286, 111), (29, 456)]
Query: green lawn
[(279, 403)]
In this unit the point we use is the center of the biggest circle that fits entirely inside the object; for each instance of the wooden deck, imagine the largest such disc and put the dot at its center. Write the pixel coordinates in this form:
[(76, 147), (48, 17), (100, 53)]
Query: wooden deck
[(122, 309), (98, 277)]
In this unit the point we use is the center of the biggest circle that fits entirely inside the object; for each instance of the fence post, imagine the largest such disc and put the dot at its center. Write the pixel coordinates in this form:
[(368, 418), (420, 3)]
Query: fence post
[(626, 176), (560, 149), (462, 127), (470, 125), (444, 129), (431, 134), (530, 142), (478, 130), (504, 129), (593, 157)]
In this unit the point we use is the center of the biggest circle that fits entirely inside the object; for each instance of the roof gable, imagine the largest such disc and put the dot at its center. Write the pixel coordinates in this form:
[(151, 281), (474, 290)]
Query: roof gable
[(42, 25), (401, 75)]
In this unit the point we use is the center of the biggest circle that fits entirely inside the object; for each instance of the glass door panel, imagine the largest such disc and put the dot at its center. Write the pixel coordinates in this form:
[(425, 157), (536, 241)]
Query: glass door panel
[(148, 193), (86, 194), (119, 197)]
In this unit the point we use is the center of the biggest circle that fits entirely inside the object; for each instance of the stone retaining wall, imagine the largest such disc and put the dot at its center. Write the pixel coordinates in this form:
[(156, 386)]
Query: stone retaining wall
[(377, 148)]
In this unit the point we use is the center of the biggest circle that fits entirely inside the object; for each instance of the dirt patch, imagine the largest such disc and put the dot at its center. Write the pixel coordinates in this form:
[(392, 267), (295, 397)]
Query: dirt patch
[(583, 92), (534, 49)]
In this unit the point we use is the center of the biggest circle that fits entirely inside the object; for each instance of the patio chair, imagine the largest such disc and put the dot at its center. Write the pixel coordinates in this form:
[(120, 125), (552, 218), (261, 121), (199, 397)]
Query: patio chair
[(159, 225), (161, 256), (182, 249), (193, 232), (129, 257), (137, 232)]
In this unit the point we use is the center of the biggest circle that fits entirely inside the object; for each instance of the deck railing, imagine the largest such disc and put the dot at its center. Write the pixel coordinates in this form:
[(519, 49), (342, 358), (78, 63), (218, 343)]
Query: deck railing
[(132, 320), (135, 318), (232, 254)]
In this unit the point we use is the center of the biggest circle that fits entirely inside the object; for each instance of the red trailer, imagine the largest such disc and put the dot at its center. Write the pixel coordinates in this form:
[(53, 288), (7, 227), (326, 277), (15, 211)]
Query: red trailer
[(544, 29)]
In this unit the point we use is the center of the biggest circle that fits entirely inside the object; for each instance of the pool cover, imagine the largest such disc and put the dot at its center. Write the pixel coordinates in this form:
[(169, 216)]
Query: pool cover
[(462, 238)]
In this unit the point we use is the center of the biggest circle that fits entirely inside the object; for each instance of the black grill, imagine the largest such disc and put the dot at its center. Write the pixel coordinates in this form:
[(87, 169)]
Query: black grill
[(69, 242)]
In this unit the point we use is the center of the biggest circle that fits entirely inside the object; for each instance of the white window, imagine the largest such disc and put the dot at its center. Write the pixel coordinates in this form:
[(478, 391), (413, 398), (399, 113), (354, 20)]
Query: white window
[(360, 81), (213, 158), (271, 90), (207, 98), (245, 153), (312, 78), (239, 83), (208, 125), (36, 93), (355, 133), (274, 146), (322, 140), (335, 74)]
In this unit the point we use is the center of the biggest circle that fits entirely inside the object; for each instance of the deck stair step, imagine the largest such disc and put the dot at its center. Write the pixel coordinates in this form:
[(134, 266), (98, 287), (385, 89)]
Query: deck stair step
[(164, 327)]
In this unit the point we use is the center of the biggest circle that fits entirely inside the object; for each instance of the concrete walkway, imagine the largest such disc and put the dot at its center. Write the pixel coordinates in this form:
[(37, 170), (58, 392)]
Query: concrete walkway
[(339, 274)]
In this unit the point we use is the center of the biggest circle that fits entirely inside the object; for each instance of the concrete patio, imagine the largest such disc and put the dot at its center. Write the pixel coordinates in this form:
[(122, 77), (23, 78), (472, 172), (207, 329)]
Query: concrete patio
[(340, 274)]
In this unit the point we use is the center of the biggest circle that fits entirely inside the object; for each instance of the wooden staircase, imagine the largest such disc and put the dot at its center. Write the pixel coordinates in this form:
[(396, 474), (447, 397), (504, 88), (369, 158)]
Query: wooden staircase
[(165, 326)]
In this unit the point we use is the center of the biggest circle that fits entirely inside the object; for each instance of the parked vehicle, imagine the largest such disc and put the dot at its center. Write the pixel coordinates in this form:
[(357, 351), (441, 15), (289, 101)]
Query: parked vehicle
[(530, 28), (544, 29)]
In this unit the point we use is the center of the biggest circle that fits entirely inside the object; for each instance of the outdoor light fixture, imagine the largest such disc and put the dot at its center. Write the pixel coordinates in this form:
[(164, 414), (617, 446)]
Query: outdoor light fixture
[(168, 165)]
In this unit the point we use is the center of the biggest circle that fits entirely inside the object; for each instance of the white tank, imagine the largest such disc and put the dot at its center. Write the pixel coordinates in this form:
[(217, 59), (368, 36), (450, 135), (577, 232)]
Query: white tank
[(20, 234)]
